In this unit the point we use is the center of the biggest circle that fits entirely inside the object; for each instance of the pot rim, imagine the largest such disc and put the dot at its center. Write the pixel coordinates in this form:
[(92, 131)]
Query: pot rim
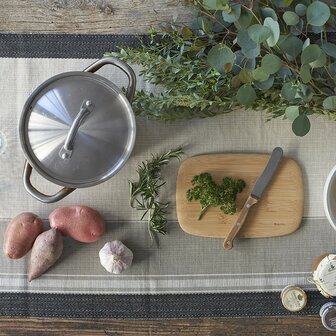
[(33, 160), (330, 180)]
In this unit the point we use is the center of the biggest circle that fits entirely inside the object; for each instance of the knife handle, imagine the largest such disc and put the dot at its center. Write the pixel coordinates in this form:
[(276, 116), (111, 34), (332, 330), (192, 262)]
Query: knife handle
[(228, 241)]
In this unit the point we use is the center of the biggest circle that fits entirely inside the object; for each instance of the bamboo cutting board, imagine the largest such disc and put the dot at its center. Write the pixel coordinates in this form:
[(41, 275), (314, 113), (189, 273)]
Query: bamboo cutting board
[(279, 211)]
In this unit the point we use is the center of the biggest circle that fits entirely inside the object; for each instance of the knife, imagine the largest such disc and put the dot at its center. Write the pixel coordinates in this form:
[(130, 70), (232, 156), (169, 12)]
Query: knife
[(255, 195)]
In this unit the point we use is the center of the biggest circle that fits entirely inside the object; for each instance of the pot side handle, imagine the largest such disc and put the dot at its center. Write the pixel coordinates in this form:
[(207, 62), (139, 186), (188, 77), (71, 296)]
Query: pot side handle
[(122, 66), (37, 194)]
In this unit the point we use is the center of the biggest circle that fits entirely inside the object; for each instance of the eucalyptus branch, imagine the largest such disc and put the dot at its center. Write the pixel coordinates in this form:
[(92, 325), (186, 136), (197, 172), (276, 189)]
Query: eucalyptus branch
[(252, 60)]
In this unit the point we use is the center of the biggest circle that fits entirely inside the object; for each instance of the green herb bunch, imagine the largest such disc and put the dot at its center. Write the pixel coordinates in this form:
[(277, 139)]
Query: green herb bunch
[(208, 193), (272, 55), (144, 193)]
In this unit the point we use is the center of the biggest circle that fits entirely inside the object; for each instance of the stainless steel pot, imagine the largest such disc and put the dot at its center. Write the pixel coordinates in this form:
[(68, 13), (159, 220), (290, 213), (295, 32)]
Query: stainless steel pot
[(77, 129)]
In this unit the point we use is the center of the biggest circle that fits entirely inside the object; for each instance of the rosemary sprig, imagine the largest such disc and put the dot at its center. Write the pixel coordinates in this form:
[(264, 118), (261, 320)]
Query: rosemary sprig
[(144, 193)]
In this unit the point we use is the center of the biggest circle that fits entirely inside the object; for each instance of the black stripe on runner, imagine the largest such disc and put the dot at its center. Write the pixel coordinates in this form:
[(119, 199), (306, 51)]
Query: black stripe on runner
[(155, 306), (63, 45), (38, 45)]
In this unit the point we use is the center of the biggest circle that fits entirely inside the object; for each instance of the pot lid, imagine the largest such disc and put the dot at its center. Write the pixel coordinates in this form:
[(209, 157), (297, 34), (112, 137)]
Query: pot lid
[(77, 129)]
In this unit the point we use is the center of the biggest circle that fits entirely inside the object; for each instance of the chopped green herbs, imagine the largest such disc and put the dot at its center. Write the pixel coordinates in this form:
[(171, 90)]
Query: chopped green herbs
[(208, 193)]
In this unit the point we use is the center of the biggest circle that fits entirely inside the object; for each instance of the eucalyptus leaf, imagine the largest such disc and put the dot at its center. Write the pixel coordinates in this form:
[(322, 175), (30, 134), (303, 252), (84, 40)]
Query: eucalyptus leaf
[(284, 72), (300, 9), (244, 20), (329, 48), (275, 31), (219, 23), (310, 54), (221, 58), (268, 12), (301, 125), (289, 91), (291, 18), (234, 14), (215, 4), (235, 81), (271, 63), (297, 29), (250, 49), (260, 74), (317, 29), (291, 45), (306, 43), (318, 13), (292, 112), (259, 33), (246, 95), (304, 93), (244, 40), (305, 73), (245, 76), (330, 103), (251, 53), (282, 3), (265, 85), (320, 62)]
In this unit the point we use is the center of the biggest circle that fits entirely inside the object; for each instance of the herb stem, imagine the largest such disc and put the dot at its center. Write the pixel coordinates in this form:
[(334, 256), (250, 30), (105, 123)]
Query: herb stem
[(250, 10), (203, 211)]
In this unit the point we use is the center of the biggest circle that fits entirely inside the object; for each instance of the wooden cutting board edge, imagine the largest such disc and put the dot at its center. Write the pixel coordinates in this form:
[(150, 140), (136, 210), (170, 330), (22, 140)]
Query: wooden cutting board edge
[(300, 195)]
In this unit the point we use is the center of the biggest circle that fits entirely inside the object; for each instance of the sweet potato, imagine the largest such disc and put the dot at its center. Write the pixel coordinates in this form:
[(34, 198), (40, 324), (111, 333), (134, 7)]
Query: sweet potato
[(21, 233), (47, 248), (78, 222)]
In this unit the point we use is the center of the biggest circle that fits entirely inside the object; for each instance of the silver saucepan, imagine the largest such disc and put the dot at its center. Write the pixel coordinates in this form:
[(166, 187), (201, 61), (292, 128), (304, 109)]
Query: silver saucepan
[(77, 129)]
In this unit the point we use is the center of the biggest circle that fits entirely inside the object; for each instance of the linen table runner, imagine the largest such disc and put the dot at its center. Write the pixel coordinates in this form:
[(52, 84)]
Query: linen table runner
[(184, 275)]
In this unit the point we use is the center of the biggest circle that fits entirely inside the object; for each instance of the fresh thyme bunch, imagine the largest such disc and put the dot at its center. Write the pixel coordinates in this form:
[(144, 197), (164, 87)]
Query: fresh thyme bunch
[(272, 55), (144, 193)]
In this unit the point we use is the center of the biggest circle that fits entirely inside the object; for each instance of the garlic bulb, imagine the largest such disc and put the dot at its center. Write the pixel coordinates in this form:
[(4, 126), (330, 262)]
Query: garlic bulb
[(115, 257)]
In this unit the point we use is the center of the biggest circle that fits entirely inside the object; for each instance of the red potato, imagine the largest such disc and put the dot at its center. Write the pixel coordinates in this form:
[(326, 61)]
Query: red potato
[(78, 222), (47, 248), (20, 234)]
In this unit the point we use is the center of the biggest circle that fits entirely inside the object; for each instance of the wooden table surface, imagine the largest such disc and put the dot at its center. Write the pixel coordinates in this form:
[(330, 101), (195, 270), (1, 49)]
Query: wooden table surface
[(126, 16)]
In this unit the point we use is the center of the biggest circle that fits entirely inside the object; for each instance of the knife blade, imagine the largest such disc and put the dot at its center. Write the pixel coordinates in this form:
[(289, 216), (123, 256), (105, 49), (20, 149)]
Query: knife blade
[(256, 193), (267, 173)]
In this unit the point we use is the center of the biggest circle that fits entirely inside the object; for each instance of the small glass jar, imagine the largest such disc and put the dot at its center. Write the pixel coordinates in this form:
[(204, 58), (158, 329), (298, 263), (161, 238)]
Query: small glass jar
[(328, 315), (293, 298)]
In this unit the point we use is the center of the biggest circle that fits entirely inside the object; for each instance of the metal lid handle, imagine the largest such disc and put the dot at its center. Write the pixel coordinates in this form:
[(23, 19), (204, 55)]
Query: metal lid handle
[(66, 150), (121, 65), (37, 194)]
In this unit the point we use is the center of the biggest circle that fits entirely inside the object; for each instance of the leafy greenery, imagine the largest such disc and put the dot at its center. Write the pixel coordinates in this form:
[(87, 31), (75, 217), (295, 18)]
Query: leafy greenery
[(267, 55), (144, 193), (208, 193)]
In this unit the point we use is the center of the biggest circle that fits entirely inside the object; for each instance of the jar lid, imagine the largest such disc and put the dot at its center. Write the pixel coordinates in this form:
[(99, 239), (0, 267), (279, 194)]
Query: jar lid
[(77, 129), (293, 298), (325, 276)]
